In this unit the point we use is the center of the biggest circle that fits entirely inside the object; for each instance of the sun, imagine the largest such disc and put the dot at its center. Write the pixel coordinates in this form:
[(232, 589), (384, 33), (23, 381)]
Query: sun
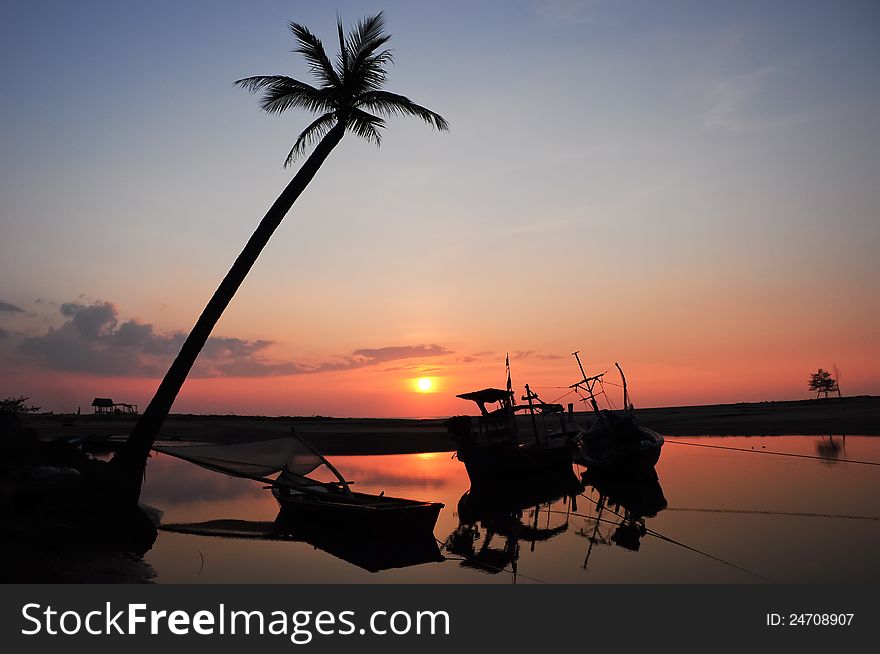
[(424, 384)]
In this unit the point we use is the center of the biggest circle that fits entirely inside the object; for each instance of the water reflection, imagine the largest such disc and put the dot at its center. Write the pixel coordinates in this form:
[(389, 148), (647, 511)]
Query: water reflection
[(399, 547), (831, 447), (509, 512), (623, 505), (766, 515)]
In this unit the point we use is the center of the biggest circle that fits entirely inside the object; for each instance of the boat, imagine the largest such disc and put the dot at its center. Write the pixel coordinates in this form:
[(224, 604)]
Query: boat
[(496, 446), (615, 441), (304, 500)]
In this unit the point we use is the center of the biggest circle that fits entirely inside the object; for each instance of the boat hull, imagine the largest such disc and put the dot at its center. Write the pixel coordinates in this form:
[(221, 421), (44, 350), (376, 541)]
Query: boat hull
[(379, 514), (641, 459), (488, 464)]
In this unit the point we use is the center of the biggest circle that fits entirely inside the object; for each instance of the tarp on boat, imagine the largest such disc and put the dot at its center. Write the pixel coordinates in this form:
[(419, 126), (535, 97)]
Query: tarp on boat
[(249, 459)]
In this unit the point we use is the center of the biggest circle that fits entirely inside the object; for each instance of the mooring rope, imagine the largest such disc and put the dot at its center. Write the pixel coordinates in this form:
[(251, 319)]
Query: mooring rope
[(662, 537), (799, 456), (795, 514)]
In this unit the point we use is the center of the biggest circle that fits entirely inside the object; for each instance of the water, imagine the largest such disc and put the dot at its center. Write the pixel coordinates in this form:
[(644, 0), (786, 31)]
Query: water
[(731, 517)]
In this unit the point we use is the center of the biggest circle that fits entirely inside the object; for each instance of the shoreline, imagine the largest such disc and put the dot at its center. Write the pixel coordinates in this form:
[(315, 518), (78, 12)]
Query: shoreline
[(365, 436)]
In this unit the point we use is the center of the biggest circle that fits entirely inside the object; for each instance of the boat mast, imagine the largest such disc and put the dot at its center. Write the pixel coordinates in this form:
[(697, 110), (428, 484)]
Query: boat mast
[(529, 397), (626, 403), (585, 383)]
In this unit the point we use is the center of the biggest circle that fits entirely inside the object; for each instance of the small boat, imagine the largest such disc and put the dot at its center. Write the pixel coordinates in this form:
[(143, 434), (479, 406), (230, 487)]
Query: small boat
[(615, 441), (495, 446), (304, 500), (334, 504)]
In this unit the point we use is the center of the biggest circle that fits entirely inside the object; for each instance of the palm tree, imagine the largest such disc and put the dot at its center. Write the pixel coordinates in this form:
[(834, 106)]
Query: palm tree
[(348, 96)]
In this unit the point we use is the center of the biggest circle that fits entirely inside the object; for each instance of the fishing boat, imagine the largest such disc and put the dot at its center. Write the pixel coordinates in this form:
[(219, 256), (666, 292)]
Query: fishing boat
[(333, 503), (306, 500), (496, 446), (615, 441)]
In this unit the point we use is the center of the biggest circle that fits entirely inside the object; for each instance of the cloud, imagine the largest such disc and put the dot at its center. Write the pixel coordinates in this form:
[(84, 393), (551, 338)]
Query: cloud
[(94, 340), (750, 101), (5, 306), (473, 358), (385, 354)]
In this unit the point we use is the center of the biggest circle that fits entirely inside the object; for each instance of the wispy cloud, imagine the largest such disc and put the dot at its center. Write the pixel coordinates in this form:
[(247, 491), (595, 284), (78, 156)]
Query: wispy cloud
[(5, 306), (749, 102), (93, 339)]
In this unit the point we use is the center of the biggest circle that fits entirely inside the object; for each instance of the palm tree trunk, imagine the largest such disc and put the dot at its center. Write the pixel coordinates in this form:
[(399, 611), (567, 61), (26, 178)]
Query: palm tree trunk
[(131, 460)]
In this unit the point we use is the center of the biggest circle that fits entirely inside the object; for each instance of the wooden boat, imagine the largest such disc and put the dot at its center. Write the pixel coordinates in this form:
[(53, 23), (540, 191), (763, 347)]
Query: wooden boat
[(494, 446), (615, 441), (304, 500)]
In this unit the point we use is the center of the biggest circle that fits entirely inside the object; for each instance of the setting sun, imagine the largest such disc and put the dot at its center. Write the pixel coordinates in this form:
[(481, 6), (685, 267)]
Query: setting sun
[(424, 384)]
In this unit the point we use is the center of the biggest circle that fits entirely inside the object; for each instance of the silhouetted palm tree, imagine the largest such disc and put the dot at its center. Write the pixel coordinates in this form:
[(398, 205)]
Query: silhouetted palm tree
[(348, 96)]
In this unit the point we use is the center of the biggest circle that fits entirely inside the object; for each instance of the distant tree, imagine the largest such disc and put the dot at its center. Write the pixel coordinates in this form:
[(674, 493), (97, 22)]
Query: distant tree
[(16, 405), (821, 381)]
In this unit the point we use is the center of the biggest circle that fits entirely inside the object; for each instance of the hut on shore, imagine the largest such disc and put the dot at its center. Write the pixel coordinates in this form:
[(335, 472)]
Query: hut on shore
[(105, 405)]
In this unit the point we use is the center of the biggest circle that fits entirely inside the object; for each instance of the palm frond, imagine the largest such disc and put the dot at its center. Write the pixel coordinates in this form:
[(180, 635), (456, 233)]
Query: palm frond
[(314, 132), (282, 93), (371, 74), (367, 37), (342, 55), (392, 104), (349, 89), (365, 125), (312, 49)]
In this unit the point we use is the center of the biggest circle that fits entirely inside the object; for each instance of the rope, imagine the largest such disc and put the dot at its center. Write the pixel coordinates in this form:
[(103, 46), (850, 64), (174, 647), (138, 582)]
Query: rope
[(660, 536), (561, 396), (799, 456), (797, 514)]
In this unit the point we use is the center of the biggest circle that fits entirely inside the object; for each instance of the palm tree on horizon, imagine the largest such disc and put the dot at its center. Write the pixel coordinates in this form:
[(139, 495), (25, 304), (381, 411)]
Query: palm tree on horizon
[(349, 96)]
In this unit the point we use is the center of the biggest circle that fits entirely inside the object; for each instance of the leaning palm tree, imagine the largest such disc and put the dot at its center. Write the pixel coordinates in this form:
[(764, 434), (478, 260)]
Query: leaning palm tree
[(348, 96)]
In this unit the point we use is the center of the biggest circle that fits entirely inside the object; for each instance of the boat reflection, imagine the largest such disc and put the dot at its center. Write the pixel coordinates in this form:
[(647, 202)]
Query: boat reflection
[(511, 512), (373, 551), (625, 501)]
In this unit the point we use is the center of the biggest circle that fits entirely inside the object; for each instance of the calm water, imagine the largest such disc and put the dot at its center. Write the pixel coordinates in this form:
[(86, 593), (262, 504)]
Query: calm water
[(730, 517)]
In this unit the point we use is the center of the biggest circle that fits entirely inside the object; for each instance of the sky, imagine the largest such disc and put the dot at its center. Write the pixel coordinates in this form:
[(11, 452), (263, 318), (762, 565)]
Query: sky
[(688, 188)]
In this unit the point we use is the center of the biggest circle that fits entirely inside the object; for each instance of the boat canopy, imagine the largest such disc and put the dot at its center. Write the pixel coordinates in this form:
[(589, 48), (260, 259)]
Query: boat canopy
[(487, 395)]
